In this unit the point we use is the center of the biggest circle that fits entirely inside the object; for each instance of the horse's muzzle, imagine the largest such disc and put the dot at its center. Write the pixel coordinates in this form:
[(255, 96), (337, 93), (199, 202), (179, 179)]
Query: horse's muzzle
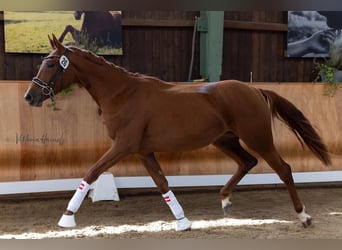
[(33, 101)]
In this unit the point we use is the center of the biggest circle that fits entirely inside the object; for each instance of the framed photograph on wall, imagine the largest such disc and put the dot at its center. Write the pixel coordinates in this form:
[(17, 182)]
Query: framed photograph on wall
[(97, 31), (312, 33)]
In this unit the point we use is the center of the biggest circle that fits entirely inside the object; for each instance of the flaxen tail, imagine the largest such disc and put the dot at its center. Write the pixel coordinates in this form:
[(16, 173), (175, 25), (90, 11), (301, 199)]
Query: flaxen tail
[(285, 111)]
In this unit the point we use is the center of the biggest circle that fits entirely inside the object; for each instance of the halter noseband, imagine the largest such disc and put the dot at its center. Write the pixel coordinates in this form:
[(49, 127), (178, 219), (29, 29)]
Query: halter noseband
[(47, 88)]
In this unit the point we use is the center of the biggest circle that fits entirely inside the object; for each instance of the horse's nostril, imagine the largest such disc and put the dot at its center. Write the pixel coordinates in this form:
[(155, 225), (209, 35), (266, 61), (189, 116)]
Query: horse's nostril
[(28, 98)]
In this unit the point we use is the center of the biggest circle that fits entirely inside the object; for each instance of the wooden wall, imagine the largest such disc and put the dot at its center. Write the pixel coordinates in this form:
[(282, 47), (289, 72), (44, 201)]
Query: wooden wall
[(42, 143), (159, 43)]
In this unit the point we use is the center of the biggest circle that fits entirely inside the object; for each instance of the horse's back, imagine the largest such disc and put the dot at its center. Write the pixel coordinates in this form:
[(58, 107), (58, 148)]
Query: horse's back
[(241, 99), (234, 101)]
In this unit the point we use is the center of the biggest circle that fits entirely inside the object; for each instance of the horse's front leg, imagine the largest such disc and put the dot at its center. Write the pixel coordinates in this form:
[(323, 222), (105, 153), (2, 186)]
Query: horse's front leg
[(69, 29), (153, 168), (113, 155)]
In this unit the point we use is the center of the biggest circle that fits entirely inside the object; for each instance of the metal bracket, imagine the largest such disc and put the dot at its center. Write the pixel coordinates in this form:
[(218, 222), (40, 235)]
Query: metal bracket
[(202, 24)]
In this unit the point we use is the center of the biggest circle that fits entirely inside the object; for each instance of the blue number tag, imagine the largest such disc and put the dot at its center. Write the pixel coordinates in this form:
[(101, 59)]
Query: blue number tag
[(64, 62)]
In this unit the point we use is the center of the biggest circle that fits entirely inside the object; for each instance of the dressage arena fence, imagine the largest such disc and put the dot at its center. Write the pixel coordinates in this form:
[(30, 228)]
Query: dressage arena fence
[(51, 148)]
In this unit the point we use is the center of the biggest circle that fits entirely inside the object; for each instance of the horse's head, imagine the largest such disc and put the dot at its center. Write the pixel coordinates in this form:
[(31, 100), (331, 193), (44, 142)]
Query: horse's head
[(55, 74)]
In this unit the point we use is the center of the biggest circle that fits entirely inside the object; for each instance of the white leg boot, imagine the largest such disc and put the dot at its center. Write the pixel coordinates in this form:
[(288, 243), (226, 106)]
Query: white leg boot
[(182, 223), (74, 205)]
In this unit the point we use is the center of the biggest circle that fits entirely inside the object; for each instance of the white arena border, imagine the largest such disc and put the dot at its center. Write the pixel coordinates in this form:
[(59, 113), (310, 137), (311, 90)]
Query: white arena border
[(39, 186)]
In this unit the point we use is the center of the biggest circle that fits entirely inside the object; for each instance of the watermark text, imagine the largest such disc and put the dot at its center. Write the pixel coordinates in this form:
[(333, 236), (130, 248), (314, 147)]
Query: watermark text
[(43, 139)]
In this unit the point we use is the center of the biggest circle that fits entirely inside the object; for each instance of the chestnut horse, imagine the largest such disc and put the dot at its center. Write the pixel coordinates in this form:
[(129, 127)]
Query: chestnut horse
[(144, 115), (102, 27)]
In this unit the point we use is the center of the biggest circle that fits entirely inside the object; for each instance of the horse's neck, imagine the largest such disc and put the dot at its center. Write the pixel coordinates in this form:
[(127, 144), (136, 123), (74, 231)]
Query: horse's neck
[(107, 85)]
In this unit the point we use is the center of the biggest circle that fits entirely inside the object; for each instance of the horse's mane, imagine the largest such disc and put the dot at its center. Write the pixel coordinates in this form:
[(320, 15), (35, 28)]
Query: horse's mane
[(100, 60)]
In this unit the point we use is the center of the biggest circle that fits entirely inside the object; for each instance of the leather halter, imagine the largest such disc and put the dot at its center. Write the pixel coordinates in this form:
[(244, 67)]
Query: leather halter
[(47, 87)]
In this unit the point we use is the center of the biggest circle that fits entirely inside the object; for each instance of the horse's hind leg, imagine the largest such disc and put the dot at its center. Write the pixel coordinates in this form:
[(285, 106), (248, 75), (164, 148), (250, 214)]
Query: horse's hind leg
[(230, 145), (152, 166), (284, 172), (257, 135)]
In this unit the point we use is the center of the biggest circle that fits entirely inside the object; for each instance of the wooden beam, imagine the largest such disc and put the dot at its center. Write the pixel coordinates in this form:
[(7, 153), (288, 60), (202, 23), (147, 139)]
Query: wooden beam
[(228, 24), (262, 26), (157, 23)]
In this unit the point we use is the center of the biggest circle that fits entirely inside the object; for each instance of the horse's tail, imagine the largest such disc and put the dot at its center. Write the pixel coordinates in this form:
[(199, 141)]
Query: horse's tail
[(285, 111)]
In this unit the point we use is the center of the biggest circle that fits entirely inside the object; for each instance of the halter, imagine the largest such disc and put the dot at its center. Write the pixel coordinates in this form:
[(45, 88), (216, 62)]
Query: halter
[(47, 88)]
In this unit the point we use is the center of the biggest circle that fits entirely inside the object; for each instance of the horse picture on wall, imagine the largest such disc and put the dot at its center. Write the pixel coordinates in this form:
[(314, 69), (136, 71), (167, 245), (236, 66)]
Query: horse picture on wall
[(97, 31)]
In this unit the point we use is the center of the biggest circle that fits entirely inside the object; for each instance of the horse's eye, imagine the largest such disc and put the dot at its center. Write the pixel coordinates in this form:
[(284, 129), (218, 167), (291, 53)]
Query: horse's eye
[(50, 65)]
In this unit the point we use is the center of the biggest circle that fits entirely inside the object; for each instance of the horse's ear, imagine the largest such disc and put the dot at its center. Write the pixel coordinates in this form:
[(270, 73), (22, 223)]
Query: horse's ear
[(55, 44), (51, 42)]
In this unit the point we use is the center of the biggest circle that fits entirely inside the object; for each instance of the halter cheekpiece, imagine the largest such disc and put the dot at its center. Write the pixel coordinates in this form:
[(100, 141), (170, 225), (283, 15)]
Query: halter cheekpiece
[(47, 88)]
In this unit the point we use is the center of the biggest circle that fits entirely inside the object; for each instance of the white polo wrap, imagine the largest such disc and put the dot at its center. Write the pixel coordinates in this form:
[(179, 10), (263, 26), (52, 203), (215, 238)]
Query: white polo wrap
[(76, 200), (175, 207)]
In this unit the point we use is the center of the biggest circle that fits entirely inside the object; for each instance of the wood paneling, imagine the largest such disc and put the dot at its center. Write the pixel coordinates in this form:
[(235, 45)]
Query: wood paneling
[(40, 143), (159, 43)]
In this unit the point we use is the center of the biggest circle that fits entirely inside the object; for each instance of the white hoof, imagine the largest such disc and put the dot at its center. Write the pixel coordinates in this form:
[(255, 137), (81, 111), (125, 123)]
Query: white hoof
[(305, 218), (226, 206), (67, 221), (183, 224)]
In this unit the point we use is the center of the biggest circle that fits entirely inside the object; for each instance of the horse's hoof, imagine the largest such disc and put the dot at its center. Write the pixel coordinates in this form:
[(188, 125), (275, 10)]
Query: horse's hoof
[(67, 221), (305, 218), (227, 206), (183, 224), (227, 209), (307, 223)]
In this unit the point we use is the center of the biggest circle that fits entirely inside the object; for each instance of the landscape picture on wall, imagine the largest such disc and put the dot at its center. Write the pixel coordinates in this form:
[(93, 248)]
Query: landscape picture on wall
[(97, 31)]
